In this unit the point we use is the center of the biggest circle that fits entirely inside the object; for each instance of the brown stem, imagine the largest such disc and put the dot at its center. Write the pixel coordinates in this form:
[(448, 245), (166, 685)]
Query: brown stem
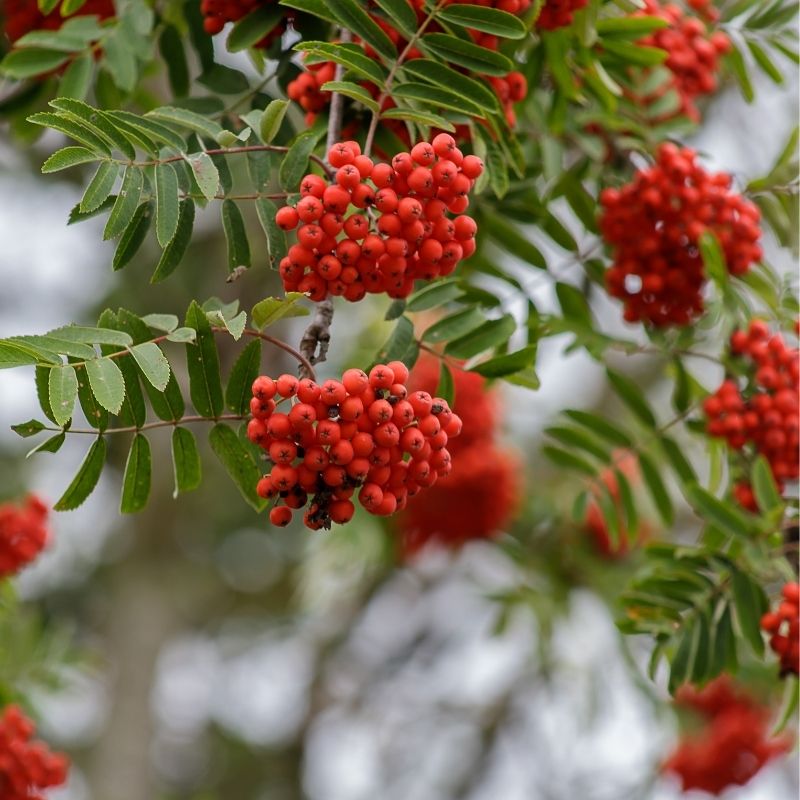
[(305, 363), (316, 338), (387, 86), (149, 425)]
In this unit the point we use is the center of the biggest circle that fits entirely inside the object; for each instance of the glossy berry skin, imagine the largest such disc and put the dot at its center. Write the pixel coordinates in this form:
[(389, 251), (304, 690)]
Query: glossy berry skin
[(23, 534), (757, 413), (653, 226), (783, 627), (27, 767), (357, 436), (342, 252)]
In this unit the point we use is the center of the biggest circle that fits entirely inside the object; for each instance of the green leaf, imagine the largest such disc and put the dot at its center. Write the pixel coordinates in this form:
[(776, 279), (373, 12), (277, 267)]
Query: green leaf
[(601, 427), (182, 335), (133, 236), (401, 14), (317, 8), (482, 18), (51, 445), (176, 249), (138, 470), (635, 54), (238, 462), (205, 173), (63, 390), (568, 460), (351, 56), (573, 303), (763, 60), (187, 120), (398, 342), (167, 203), (120, 60), (68, 157), (276, 238), (717, 512), (739, 69), (766, 490), (682, 664), (272, 119), (420, 117), (78, 132), (42, 381), (107, 383), (173, 53), (147, 130), (186, 461), (161, 322), (295, 162), (245, 370), (94, 120), (632, 396), (125, 206), (472, 90), (435, 294), (29, 428), (205, 383), (251, 29), (508, 236), (268, 311), (100, 186), (629, 26), (713, 258), (446, 388), (491, 334), (31, 61), (438, 97), (153, 364), (81, 333), (352, 16), (683, 469), (96, 415), (578, 439), (84, 482), (454, 326), (235, 236), (749, 603), (466, 54), (507, 364), (658, 491), (353, 91)]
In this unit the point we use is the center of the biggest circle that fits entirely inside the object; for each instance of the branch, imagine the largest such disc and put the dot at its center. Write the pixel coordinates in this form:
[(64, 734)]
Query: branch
[(148, 426), (317, 334)]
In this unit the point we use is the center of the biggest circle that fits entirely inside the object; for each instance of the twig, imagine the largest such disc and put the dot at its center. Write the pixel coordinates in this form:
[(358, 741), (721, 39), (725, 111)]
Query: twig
[(316, 338), (305, 363), (149, 425)]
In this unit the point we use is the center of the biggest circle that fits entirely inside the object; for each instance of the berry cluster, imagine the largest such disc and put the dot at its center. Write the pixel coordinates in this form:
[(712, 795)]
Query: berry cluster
[(23, 16), (763, 411), (783, 625), (558, 13), (733, 744), (596, 525), (399, 232), (26, 767), (23, 534), (306, 89), (693, 53), (217, 13), (654, 224), (365, 432), (482, 493)]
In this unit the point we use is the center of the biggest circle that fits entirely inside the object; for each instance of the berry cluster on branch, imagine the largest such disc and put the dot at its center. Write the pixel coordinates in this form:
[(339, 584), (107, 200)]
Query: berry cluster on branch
[(27, 767), (559, 13), (23, 534), (734, 741), (783, 627), (759, 410), (217, 13), (365, 433), (399, 232), (653, 225)]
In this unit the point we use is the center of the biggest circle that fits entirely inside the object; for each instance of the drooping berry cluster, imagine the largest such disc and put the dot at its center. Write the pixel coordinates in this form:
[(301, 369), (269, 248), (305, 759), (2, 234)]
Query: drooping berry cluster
[(559, 13), (480, 496), (759, 411), (733, 743), (217, 13), (399, 232), (365, 433), (654, 224), (692, 54), (783, 626), (596, 525), (23, 534), (23, 16), (26, 767)]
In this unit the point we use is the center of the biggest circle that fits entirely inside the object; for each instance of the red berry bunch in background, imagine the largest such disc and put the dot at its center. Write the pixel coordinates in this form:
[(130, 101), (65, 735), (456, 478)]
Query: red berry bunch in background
[(733, 744), (596, 525), (783, 626), (23, 534), (693, 53), (26, 767), (558, 13), (365, 433), (23, 16), (399, 232), (654, 223), (762, 412), (216, 13), (482, 493)]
